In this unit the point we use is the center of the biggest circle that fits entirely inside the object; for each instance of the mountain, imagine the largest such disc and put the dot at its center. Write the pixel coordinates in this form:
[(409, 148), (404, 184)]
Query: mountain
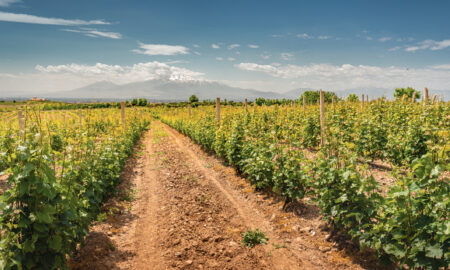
[(163, 90), (168, 90)]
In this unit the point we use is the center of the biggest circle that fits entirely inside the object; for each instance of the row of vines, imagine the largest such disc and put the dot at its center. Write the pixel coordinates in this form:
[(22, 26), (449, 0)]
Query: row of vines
[(278, 148), (59, 167)]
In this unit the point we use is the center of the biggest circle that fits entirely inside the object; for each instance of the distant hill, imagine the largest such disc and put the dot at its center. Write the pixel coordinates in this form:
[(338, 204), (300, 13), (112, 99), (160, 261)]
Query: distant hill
[(167, 90), (163, 90)]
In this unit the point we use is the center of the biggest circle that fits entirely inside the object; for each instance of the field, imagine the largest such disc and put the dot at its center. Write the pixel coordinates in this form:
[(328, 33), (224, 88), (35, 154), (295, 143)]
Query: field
[(59, 167), (358, 186)]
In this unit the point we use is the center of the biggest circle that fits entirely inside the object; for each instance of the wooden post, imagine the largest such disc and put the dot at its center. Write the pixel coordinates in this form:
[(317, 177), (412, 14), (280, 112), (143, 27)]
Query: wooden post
[(367, 99), (103, 116), (122, 114), (64, 118), (79, 116), (218, 110), (403, 98), (434, 98), (177, 109), (140, 112), (362, 102), (413, 99), (21, 122), (189, 109), (322, 118), (425, 95), (246, 105)]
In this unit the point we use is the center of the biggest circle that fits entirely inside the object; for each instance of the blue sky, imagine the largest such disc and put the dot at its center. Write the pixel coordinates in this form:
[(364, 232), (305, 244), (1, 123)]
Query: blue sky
[(266, 45)]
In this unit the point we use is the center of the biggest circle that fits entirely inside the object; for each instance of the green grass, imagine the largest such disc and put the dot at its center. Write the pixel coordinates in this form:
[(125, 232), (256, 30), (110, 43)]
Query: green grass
[(252, 238)]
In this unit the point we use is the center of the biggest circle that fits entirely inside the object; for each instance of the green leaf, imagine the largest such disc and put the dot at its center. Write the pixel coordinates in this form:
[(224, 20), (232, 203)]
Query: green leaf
[(55, 242), (434, 251), (395, 249)]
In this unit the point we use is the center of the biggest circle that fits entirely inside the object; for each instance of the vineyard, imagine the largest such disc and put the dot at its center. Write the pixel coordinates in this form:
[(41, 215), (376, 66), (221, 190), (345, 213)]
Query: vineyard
[(378, 171), (286, 149), (58, 169)]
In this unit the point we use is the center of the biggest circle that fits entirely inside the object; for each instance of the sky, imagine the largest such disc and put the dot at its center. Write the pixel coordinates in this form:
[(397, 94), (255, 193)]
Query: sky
[(54, 45)]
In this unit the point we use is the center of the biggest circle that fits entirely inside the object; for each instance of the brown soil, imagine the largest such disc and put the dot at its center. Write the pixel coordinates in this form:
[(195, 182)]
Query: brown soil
[(189, 211)]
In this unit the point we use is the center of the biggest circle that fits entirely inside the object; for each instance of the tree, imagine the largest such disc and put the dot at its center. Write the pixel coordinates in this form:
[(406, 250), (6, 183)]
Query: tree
[(142, 102), (134, 102), (314, 96), (260, 101), (353, 98), (193, 99), (408, 92)]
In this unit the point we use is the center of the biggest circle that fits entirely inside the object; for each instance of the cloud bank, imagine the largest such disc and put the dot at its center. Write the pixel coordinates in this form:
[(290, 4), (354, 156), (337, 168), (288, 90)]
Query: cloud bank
[(348, 76), (429, 45), (25, 18), (55, 78)]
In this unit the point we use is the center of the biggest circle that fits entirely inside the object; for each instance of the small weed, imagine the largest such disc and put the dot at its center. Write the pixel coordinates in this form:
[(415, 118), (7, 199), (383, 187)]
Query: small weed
[(102, 217), (278, 246), (128, 194), (158, 134), (111, 246), (113, 211), (191, 178), (252, 238), (204, 197)]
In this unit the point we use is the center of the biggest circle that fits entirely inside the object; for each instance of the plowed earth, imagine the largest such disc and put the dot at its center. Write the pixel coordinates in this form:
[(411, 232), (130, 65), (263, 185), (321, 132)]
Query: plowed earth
[(180, 208)]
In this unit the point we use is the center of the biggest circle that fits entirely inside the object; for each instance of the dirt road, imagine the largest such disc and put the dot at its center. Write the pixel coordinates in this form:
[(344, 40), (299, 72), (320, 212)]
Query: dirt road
[(180, 208)]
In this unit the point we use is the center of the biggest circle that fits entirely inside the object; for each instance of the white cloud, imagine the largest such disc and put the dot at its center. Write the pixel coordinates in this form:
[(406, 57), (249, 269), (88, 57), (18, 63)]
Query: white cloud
[(196, 46), (369, 38), (219, 58), (25, 18), (231, 59), (215, 46), (304, 36), (161, 49), (445, 66), (265, 56), (348, 76), (123, 74), (323, 37), (252, 46), (384, 39), (412, 49), (429, 45), (396, 48), (233, 46), (287, 56), (6, 3), (95, 33), (55, 78)]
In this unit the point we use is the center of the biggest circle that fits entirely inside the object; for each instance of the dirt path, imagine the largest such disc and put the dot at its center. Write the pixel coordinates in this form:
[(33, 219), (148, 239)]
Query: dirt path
[(180, 208)]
